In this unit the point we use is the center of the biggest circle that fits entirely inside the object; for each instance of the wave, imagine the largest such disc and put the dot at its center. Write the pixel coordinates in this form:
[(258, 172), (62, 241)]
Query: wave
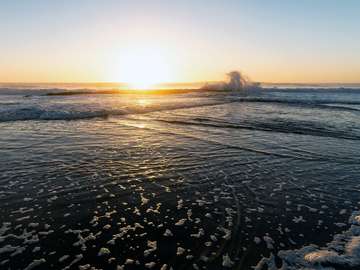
[(34, 113), (343, 252), (30, 91), (299, 154), (78, 112), (326, 102), (13, 112), (275, 125)]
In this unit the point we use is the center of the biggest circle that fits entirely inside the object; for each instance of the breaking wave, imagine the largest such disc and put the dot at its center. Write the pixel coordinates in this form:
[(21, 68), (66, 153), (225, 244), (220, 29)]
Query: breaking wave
[(343, 252), (35, 113), (40, 111)]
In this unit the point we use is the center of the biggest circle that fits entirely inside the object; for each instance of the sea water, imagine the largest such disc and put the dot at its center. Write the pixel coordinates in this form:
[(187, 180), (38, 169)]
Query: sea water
[(206, 180)]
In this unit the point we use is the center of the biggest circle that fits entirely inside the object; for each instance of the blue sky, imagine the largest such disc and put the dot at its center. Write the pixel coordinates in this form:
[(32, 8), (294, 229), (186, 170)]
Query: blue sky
[(273, 40)]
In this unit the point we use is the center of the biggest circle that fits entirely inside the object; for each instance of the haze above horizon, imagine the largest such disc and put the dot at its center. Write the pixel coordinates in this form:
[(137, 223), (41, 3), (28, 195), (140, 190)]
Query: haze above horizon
[(145, 43)]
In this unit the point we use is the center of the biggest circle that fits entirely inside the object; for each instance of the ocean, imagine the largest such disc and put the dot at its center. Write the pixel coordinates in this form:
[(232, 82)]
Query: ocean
[(197, 180)]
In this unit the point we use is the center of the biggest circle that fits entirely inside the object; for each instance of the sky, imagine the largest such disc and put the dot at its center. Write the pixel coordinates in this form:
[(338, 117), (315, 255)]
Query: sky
[(151, 41)]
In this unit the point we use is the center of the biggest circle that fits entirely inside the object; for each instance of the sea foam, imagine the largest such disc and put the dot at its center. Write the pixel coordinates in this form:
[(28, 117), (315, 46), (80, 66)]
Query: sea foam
[(343, 251)]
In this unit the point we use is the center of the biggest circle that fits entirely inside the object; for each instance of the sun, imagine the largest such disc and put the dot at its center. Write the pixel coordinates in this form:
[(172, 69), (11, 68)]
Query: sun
[(143, 67)]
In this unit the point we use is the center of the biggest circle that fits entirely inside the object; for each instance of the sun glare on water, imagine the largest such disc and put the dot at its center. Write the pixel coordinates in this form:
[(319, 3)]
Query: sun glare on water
[(143, 68)]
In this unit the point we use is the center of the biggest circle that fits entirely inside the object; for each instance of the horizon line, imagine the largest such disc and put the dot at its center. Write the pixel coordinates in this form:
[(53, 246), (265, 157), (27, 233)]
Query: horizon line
[(179, 83)]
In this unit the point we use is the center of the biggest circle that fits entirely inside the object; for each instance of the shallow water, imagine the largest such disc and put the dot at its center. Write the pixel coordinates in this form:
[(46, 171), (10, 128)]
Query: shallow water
[(192, 181)]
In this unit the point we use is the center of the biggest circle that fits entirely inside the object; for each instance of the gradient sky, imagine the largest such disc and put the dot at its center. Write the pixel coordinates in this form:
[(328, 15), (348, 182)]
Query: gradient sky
[(193, 40)]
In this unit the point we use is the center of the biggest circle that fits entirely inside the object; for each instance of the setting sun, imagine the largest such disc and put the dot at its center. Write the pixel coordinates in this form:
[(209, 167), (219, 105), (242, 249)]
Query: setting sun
[(142, 67)]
